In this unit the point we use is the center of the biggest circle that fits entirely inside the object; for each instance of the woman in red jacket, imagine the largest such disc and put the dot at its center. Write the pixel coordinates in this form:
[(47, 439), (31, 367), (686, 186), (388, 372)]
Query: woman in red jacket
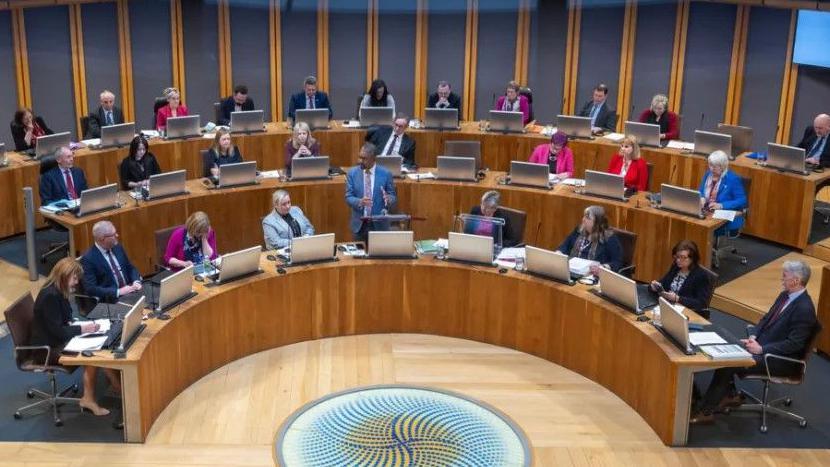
[(627, 163)]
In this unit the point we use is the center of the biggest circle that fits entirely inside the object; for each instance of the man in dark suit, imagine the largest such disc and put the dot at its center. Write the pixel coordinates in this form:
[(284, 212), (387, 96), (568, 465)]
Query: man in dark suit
[(63, 181), (108, 273), (106, 115), (309, 98), (370, 191), (238, 102), (444, 98), (815, 141), (393, 140), (603, 118), (785, 330)]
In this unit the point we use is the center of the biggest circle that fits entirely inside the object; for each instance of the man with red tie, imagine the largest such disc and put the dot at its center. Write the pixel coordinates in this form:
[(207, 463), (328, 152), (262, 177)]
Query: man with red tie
[(63, 182), (785, 330), (108, 273)]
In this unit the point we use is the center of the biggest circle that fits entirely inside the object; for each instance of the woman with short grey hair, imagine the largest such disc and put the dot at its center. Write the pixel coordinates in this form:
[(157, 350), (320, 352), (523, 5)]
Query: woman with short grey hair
[(284, 222), (722, 189), (489, 207)]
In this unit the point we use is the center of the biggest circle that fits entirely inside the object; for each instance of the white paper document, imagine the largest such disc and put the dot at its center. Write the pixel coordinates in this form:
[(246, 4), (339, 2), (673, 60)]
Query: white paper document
[(91, 141), (724, 214), (150, 133), (421, 176), (507, 257), (270, 174), (81, 343), (675, 144), (443, 243), (615, 137), (580, 266), (574, 182), (351, 124), (704, 338)]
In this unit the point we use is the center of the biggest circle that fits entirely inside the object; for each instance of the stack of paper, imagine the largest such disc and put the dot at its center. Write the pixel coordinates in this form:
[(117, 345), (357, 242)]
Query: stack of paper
[(270, 174), (724, 214), (725, 352), (705, 338), (615, 137), (421, 176), (507, 257), (579, 266), (351, 124), (574, 181), (426, 247), (92, 141), (674, 144)]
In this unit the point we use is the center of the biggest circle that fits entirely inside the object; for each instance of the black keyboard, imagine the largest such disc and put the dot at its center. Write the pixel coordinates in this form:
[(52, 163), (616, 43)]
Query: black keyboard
[(114, 335), (645, 297)]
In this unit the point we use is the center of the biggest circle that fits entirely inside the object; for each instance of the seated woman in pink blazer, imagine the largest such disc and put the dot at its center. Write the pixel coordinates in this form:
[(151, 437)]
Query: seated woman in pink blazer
[(512, 101), (556, 154), (174, 108), (191, 243)]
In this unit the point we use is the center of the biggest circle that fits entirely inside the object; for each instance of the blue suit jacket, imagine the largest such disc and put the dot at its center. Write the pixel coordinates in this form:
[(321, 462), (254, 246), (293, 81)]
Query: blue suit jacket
[(53, 188), (99, 280), (321, 101), (354, 193), (790, 333), (730, 194)]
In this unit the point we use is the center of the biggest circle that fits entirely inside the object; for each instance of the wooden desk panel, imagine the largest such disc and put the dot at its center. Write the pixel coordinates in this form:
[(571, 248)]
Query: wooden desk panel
[(823, 312), (566, 325), (236, 215)]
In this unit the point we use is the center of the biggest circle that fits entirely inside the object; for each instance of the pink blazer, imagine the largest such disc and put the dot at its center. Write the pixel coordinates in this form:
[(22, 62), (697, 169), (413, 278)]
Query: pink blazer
[(524, 107), (564, 160), (175, 246), (164, 113)]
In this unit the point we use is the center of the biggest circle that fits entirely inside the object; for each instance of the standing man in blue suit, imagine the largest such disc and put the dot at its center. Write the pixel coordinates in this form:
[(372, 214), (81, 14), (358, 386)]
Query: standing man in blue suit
[(367, 177), (64, 181), (722, 189), (108, 272), (785, 330), (310, 98)]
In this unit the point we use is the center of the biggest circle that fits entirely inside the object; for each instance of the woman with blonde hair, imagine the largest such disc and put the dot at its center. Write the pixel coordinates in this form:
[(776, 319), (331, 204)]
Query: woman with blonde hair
[(627, 163), (301, 144), (174, 108), (53, 326), (222, 152), (191, 243), (593, 240)]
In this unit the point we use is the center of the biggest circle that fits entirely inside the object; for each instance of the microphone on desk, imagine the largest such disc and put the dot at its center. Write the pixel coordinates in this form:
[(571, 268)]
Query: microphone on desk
[(630, 115), (493, 104), (702, 117)]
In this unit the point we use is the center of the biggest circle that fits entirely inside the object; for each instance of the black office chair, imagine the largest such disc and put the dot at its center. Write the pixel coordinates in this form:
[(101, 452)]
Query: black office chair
[(528, 93), (37, 359), (48, 163), (763, 404), (217, 112), (207, 162), (84, 127), (516, 220), (706, 311), (628, 241), (650, 168), (357, 109), (724, 244), (159, 103)]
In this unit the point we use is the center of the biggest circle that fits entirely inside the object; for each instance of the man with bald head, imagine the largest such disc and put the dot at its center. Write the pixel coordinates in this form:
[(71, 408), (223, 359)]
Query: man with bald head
[(108, 273), (107, 114), (815, 141), (64, 182)]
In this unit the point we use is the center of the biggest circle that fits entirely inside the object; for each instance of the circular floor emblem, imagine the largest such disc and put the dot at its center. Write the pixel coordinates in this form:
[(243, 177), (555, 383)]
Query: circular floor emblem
[(400, 425)]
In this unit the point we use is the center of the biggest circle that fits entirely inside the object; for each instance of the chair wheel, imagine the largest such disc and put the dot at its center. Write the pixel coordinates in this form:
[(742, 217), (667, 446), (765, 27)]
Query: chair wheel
[(788, 402), (59, 422), (763, 428), (743, 261), (30, 394), (802, 423), (727, 410), (18, 415)]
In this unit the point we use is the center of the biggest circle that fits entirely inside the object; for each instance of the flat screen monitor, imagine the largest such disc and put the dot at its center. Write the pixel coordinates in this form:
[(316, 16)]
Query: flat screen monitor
[(812, 34)]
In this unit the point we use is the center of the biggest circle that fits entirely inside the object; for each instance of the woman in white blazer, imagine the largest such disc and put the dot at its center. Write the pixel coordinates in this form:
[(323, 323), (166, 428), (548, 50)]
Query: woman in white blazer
[(284, 222)]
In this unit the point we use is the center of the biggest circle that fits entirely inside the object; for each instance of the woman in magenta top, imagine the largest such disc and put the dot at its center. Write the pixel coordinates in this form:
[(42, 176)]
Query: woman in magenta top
[(174, 108), (512, 101), (627, 163), (556, 154), (191, 243)]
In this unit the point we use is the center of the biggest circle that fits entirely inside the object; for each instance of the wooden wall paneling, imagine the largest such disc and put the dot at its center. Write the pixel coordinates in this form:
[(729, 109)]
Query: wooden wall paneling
[(21, 59), (522, 43), (470, 60), (76, 37), (788, 87), (224, 49), (125, 61), (732, 112), (177, 47), (371, 43), (629, 41), (422, 88), (572, 57), (323, 45), (681, 26)]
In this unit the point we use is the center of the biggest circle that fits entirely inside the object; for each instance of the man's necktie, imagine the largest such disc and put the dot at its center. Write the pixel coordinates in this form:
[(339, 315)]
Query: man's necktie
[(776, 310), (309, 103), (109, 118), (118, 275), (816, 149), (367, 192), (392, 145), (70, 186), (713, 192)]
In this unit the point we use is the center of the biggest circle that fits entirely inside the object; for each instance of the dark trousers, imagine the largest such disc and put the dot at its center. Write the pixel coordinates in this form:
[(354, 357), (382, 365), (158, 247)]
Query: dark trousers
[(723, 381)]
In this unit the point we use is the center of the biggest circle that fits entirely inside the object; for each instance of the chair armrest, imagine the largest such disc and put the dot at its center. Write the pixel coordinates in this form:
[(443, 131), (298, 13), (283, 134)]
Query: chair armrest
[(627, 271), (41, 367), (769, 356)]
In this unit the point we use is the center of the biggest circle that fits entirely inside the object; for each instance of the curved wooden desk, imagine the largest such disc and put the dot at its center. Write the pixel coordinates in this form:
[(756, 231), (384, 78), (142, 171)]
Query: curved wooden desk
[(780, 204), (236, 215), (565, 325)]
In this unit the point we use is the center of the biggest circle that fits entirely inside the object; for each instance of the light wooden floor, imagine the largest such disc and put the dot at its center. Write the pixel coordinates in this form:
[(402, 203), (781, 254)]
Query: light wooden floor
[(750, 296), (230, 417), (14, 281)]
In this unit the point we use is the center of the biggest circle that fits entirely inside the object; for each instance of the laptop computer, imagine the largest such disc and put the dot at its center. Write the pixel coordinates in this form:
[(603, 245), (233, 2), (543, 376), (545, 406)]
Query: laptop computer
[(624, 292), (548, 264), (469, 248), (674, 325), (506, 122), (316, 119), (241, 173), (131, 326), (440, 119), (786, 158), (98, 199), (647, 134), (116, 136), (707, 142), (183, 127), (391, 244), (741, 137), (680, 200), (239, 264), (47, 145), (456, 168), (312, 249), (167, 184), (605, 185), (574, 127), (530, 174), (4, 161), (464, 149), (310, 168), (372, 116), (392, 164), (175, 289), (247, 121)]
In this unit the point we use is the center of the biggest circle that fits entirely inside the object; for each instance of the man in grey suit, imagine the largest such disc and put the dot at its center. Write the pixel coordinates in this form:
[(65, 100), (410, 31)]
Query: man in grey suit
[(284, 223), (106, 115)]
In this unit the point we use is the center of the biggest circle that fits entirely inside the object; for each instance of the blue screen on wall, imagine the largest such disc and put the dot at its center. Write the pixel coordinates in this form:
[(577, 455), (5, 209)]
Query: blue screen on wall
[(812, 36)]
